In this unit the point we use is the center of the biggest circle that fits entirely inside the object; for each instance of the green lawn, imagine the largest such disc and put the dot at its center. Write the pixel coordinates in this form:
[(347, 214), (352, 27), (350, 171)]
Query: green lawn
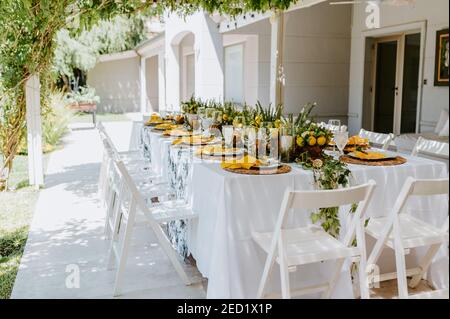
[(16, 212), (101, 117)]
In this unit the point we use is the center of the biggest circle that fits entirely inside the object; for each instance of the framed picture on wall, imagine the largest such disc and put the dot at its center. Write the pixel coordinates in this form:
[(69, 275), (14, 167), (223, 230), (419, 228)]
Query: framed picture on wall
[(441, 59)]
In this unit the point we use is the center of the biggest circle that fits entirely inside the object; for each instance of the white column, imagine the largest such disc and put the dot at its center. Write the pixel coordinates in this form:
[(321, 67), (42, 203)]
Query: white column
[(276, 57), (173, 79), (161, 81), (34, 132), (143, 83)]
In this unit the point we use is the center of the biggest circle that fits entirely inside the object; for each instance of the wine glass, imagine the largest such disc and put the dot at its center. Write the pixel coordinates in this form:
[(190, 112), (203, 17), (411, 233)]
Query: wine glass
[(341, 139)]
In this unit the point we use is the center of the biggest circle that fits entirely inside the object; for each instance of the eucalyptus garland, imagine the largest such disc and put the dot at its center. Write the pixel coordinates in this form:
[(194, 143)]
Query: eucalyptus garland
[(329, 173)]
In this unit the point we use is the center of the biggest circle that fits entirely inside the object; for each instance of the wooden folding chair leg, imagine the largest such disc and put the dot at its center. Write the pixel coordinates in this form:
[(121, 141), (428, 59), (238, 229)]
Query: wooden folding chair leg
[(123, 258), (284, 270), (424, 264), (401, 272), (167, 247), (334, 277), (114, 238), (110, 206), (266, 275)]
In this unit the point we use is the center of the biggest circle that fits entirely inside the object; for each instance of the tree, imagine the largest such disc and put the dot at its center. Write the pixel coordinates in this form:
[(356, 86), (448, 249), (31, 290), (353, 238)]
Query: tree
[(27, 43), (81, 51)]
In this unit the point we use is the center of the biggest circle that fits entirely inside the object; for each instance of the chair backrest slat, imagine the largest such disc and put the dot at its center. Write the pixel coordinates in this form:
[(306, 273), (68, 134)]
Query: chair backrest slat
[(328, 198), (130, 186), (379, 139), (431, 148), (423, 187)]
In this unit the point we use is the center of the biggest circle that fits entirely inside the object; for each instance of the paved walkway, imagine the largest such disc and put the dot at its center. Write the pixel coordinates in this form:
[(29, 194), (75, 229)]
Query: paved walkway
[(66, 235)]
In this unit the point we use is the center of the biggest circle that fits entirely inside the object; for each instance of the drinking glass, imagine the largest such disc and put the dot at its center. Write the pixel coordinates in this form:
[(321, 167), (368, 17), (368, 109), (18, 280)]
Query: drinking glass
[(334, 126), (208, 120), (267, 142), (194, 122), (287, 144), (201, 112), (341, 139), (228, 131), (274, 141), (217, 117), (250, 138)]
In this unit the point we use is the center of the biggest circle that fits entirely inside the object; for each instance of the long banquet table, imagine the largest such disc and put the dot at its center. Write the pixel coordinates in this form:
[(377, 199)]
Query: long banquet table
[(232, 206)]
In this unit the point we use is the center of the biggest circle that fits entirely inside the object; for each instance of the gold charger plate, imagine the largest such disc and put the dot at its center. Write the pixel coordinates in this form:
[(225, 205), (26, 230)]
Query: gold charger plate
[(260, 170), (398, 160)]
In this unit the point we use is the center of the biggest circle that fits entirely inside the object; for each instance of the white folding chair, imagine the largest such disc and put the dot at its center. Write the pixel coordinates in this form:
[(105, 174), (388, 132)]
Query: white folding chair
[(401, 232), (377, 139), (148, 184), (125, 156), (306, 245), (130, 202), (431, 149)]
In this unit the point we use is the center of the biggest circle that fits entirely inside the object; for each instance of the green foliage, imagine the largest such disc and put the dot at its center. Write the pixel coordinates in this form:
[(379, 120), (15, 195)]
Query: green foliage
[(269, 114), (191, 106), (328, 173), (54, 124), (305, 116), (12, 245), (81, 51)]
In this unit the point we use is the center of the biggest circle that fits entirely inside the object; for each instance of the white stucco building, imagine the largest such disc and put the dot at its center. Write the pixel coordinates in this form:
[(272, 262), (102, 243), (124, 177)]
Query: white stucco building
[(377, 74)]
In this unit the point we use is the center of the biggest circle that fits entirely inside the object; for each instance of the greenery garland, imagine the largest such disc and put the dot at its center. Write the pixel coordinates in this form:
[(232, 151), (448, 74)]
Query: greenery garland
[(329, 173)]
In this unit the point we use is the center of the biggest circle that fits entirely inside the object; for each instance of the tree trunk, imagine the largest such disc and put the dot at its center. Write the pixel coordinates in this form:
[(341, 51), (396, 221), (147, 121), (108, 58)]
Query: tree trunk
[(13, 134)]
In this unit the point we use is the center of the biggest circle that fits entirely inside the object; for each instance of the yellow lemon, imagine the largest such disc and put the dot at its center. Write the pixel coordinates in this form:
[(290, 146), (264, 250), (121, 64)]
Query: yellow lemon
[(225, 117), (300, 141), (312, 141), (321, 141), (277, 123), (257, 120)]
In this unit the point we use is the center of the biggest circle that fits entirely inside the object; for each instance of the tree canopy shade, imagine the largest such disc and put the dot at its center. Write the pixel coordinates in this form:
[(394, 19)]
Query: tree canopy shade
[(27, 43)]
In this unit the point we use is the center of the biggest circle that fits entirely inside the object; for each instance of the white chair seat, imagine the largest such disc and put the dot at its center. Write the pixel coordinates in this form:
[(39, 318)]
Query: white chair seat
[(307, 245), (435, 294), (169, 211), (414, 232)]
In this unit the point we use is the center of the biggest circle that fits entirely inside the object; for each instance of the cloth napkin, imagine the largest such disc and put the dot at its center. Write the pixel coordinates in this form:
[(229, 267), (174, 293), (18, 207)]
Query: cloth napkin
[(245, 162), (196, 139)]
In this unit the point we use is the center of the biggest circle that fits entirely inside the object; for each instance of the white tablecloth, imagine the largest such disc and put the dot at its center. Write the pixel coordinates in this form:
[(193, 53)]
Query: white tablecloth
[(231, 206)]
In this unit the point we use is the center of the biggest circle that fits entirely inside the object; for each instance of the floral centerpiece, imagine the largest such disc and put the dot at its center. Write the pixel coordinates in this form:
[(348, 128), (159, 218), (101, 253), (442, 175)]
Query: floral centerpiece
[(328, 172), (312, 139)]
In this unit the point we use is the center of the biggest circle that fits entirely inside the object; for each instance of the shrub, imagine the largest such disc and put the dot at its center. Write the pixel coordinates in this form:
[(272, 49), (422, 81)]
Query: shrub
[(54, 124)]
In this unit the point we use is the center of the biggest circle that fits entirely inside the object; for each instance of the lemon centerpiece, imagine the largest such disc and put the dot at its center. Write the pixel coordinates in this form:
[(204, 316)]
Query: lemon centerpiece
[(312, 138)]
